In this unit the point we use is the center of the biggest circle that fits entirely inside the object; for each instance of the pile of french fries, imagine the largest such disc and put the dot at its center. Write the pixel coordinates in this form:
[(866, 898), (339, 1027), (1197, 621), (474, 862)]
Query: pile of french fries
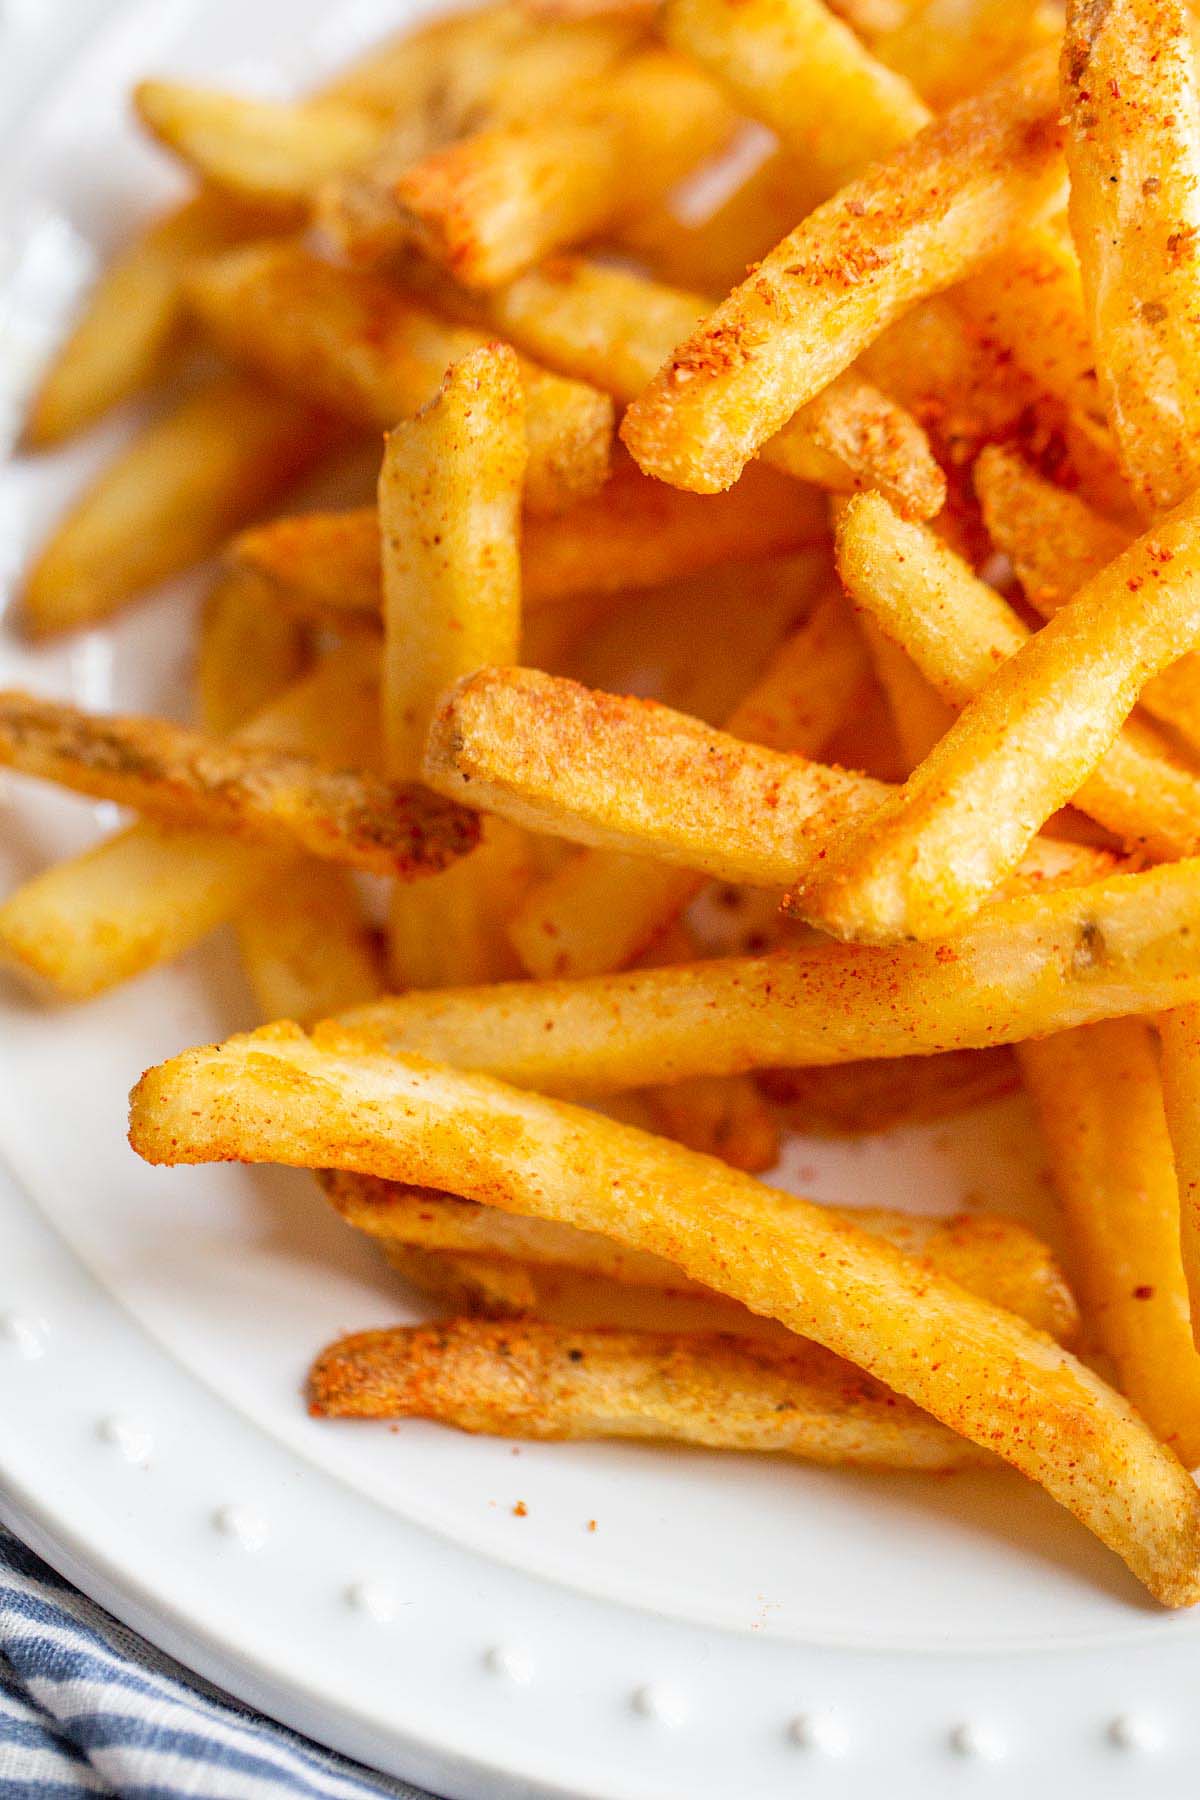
[(766, 676)]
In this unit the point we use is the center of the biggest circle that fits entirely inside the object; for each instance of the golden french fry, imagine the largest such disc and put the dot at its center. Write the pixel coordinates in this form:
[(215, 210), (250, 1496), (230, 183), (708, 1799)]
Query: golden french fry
[(601, 909), (1027, 966), (1099, 1103), (919, 713), (635, 776), (1129, 92), (149, 893), (170, 498), (913, 225), (133, 318), (552, 1383), (1057, 543), (353, 342), (276, 1096), (262, 150), (990, 1255), (614, 328), (249, 652), (949, 48), (720, 1115), (1179, 1031), (493, 204), (851, 1099), (481, 1286), (633, 534)]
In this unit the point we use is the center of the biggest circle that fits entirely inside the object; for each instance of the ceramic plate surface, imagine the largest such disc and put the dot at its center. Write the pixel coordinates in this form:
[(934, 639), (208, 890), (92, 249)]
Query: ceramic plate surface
[(730, 1626)]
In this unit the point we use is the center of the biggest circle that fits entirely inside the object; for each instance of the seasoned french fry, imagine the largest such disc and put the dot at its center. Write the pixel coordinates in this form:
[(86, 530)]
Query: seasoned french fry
[(948, 48), (913, 225), (1027, 966), (1099, 1103), (1179, 1031), (990, 1255), (184, 777), (835, 106), (850, 1099), (449, 514), (958, 631), (132, 319), (493, 204), (356, 344), (633, 534), (1132, 106), (635, 776), (261, 150), (486, 1287), (601, 910), (920, 715), (1057, 543), (149, 893), (171, 498), (248, 654), (614, 328), (550, 1383), (276, 1096)]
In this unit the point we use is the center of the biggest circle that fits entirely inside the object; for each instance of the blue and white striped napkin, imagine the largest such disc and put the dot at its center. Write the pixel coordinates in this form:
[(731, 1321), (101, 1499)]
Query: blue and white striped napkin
[(87, 1707)]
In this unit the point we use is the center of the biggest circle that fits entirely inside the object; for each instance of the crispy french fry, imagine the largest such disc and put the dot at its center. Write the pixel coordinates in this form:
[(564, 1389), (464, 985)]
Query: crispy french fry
[(601, 910), (273, 151), (1056, 544), (248, 653), (550, 1383), (633, 534), (170, 498), (949, 48), (1099, 1103), (149, 893), (1027, 966), (133, 318), (852, 1099), (920, 715), (1132, 107), (614, 328), (1179, 1031), (913, 225), (835, 106), (486, 1287), (958, 631), (720, 1115), (990, 1255), (654, 782), (278, 1097), (449, 514), (497, 202), (356, 344), (184, 777)]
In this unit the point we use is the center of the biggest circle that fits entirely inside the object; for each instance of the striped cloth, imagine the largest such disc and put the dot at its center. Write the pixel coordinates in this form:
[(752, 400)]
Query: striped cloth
[(87, 1707)]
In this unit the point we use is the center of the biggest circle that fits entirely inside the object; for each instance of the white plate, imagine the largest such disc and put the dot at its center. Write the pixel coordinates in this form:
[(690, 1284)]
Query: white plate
[(731, 1626)]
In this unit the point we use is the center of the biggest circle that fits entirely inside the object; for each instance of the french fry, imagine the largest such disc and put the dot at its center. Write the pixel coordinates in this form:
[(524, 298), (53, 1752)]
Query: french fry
[(354, 343), (1130, 96), (149, 893), (183, 777), (913, 225), (600, 910), (495, 203), (170, 498), (1020, 749), (919, 713), (133, 318), (834, 105), (482, 1286), (266, 151), (614, 328), (1179, 1031), (276, 1096), (853, 1099), (449, 514), (635, 776), (248, 652), (1025, 967), (988, 1254), (1099, 1102), (550, 1383), (633, 534), (949, 48), (1056, 544)]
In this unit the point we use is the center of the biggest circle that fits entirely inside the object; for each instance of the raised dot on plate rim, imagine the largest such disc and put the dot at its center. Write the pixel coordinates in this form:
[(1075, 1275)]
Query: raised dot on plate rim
[(819, 1731), (510, 1661), (245, 1524), (661, 1702), (25, 1332), (373, 1598), (129, 1435), (979, 1742), (1135, 1731)]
